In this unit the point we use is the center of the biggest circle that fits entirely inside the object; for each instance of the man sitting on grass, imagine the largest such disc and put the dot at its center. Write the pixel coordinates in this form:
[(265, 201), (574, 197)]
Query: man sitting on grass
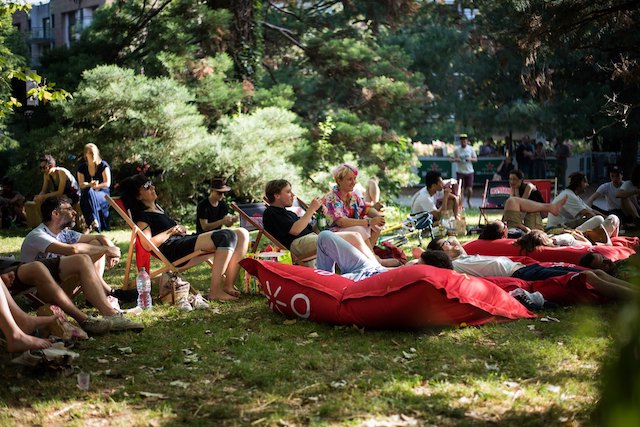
[(425, 200), (45, 274), (54, 238)]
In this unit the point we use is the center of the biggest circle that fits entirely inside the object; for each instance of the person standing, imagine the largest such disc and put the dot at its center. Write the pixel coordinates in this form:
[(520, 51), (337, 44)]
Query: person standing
[(562, 152), (464, 157), (524, 155), (94, 178), (539, 162)]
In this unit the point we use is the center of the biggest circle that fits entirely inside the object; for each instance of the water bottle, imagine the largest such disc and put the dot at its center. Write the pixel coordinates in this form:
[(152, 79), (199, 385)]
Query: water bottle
[(143, 284)]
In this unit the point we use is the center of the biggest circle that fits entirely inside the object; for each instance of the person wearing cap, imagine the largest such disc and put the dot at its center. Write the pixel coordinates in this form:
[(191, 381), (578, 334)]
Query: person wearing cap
[(464, 156), (605, 199), (212, 213)]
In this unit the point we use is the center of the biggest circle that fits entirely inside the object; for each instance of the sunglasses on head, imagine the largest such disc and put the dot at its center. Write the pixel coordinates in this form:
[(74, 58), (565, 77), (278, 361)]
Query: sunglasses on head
[(147, 185)]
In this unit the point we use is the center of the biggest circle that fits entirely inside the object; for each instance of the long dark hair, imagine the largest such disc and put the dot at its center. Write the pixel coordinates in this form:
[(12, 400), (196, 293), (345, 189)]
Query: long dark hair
[(130, 188), (533, 240)]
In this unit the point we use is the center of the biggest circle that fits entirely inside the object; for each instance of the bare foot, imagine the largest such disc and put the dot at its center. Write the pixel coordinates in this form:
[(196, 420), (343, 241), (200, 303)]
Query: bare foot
[(31, 323), (23, 342), (555, 208), (231, 291), (221, 296)]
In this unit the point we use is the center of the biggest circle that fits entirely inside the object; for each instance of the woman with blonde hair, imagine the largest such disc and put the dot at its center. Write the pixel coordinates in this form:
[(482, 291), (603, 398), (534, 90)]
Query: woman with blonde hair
[(347, 210), (94, 178)]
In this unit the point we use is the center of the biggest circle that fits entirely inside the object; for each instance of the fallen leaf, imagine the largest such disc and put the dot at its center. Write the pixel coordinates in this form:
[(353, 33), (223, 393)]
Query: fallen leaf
[(339, 384), (313, 335), (99, 360), (531, 327), (553, 388), (549, 319), (125, 350), (289, 322), (150, 395), (408, 355), (491, 367), (179, 383)]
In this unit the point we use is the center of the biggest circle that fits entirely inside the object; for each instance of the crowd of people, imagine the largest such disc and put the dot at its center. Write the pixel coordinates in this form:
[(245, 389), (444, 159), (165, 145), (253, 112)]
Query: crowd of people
[(56, 259)]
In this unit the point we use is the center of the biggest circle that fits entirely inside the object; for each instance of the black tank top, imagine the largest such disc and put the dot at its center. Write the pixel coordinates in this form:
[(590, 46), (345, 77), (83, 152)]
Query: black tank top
[(535, 195)]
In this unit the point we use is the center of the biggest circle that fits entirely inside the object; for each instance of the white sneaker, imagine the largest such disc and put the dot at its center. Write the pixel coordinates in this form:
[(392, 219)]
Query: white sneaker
[(198, 302), (183, 304)]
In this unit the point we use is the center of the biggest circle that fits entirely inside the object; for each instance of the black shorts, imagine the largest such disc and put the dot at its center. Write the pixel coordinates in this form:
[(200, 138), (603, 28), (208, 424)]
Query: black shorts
[(51, 264), (176, 247)]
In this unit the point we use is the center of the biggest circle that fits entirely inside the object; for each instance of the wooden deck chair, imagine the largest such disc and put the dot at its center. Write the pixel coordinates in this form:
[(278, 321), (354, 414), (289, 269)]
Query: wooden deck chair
[(547, 187), (495, 194), (251, 219), (143, 256)]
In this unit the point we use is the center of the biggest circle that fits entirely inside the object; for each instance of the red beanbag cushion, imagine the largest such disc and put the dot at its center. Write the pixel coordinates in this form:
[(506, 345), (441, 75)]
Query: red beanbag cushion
[(408, 297), (504, 247)]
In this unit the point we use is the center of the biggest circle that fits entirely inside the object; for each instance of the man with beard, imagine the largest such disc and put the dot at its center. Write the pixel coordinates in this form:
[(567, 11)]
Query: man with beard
[(53, 238)]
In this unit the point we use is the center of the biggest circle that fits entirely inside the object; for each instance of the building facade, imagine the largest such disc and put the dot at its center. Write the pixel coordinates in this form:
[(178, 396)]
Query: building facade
[(55, 23)]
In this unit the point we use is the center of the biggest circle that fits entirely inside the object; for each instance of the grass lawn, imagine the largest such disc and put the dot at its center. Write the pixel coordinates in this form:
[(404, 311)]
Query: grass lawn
[(241, 364)]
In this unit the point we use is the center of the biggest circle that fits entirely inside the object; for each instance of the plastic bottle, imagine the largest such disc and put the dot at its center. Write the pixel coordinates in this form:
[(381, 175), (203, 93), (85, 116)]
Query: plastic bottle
[(143, 284)]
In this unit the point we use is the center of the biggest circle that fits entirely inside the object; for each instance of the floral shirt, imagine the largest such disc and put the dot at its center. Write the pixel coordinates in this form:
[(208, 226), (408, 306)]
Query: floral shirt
[(336, 208)]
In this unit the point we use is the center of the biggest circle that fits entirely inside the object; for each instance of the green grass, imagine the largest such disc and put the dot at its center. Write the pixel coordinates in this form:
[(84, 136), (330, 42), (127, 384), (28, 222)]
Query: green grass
[(255, 367)]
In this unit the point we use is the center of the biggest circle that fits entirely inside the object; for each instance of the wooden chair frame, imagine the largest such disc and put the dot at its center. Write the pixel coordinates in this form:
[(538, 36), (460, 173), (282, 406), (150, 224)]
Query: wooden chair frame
[(255, 225), (136, 243)]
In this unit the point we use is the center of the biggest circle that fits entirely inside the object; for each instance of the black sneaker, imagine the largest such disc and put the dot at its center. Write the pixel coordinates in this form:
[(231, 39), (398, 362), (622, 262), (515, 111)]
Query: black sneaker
[(125, 295)]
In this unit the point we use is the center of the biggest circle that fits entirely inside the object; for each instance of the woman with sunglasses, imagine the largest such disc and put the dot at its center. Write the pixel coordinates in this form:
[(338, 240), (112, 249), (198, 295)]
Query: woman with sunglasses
[(348, 211), (229, 246)]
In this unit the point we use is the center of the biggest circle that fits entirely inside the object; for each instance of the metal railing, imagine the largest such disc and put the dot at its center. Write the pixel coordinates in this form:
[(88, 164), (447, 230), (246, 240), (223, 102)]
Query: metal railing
[(41, 33)]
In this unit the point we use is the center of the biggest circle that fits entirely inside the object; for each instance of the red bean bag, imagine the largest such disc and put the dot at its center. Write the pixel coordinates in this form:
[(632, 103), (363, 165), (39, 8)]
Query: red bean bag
[(622, 248), (407, 297)]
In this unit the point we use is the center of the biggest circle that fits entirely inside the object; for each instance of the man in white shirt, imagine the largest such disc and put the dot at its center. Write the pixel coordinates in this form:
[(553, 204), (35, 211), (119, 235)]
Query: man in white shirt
[(425, 199), (577, 214), (501, 266), (605, 198), (53, 238), (464, 157)]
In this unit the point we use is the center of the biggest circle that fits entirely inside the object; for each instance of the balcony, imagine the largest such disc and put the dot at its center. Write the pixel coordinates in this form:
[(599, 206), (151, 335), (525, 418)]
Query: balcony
[(40, 35)]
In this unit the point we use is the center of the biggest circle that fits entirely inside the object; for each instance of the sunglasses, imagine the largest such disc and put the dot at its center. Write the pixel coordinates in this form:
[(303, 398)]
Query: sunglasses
[(446, 242), (147, 185)]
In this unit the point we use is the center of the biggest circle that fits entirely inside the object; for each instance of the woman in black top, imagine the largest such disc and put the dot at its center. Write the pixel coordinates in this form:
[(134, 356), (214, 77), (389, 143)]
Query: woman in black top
[(229, 246), (526, 190)]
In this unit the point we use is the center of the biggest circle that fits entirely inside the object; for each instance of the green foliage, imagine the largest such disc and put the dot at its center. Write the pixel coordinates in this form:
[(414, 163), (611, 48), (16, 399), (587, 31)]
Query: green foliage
[(257, 148)]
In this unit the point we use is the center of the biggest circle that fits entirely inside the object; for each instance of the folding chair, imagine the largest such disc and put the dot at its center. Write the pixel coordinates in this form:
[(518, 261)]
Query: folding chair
[(495, 194), (143, 256), (251, 219), (547, 187)]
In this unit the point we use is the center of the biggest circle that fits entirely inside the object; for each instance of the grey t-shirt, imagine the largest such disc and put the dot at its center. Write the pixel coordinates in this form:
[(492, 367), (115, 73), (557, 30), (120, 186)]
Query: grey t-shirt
[(38, 240)]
